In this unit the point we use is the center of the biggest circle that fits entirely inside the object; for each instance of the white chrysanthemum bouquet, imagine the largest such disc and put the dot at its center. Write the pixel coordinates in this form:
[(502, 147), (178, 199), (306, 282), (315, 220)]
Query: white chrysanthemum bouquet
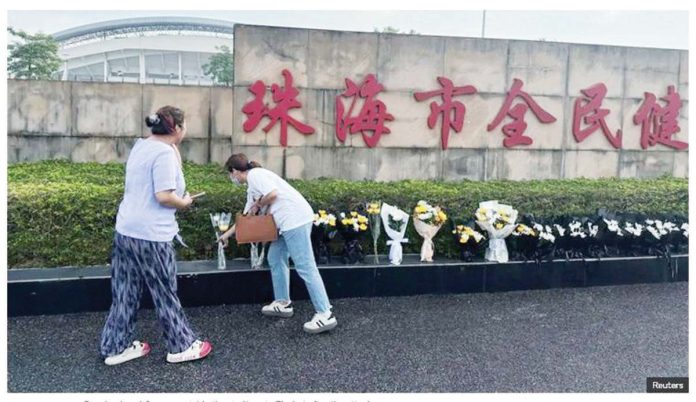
[(499, 221)]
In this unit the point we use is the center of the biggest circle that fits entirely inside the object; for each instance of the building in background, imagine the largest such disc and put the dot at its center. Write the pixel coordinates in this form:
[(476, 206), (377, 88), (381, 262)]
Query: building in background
[(153, 50)]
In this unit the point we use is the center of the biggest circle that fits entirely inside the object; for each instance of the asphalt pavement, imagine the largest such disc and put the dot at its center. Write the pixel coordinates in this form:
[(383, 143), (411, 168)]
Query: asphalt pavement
[(601, 339)]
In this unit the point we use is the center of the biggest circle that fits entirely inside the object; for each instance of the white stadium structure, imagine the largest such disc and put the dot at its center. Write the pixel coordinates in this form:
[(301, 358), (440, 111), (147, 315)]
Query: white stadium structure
[(159, 50)]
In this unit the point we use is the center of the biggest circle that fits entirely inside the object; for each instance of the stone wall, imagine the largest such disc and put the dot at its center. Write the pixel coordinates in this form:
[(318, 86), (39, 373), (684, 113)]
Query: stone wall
[(553, 74), (87, 122), (100, 122)]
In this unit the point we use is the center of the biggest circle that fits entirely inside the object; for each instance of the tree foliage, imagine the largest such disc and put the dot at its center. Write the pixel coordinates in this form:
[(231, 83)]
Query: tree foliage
[(221, 67), (33, 57)]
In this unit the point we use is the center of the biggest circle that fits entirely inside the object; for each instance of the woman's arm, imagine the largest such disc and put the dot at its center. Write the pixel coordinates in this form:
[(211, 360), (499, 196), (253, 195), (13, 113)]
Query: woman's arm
[(225, 236), (267, 199), (170, 199)]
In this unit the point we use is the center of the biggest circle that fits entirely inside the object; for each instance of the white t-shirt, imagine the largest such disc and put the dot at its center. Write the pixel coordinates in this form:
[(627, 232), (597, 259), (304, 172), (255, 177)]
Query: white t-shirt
[(152, 167), (290, 210)]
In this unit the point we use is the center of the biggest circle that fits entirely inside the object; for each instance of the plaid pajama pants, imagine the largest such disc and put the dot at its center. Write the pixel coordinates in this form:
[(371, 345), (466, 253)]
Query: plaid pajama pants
[(136, 262)]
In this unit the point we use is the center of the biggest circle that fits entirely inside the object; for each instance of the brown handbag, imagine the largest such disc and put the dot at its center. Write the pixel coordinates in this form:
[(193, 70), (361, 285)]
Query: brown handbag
[(255, 229)]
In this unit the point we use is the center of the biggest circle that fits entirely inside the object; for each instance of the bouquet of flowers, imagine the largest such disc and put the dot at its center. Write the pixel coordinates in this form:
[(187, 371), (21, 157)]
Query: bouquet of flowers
[(469, 241), (560, 231), (323, 231), (353, 226), (610, 235), (395, 223), (578, 237), (632, 238), (428, 220), (373, 215), (546, 241), (523, 242), (499, 221), (683, 244), (658, 236)]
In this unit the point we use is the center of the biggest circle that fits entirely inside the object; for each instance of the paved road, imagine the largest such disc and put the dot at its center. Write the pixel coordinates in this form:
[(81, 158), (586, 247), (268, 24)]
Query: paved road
[(603, 339)]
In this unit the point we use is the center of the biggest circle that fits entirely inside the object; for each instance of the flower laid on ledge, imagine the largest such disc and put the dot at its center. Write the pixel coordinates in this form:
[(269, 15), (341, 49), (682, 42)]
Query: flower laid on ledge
[(469, 241), (354, 222), (324, 219), (523, 230), (545, 233), (466, 234), (323, 231), (428, 220), (523, 242), (373, 208), (353, 225), (395, 222), (499, 221), (373, 215)]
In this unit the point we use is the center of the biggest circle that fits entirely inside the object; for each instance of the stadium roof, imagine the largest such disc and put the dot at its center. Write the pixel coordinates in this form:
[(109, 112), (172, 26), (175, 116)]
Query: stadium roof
[(142, 24)]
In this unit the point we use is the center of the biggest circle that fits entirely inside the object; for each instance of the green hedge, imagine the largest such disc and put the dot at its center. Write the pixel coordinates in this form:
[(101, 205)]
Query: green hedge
[(62, 213)]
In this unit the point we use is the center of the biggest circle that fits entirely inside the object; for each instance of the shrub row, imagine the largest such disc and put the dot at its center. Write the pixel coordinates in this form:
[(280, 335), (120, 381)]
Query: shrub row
[(62, 213)]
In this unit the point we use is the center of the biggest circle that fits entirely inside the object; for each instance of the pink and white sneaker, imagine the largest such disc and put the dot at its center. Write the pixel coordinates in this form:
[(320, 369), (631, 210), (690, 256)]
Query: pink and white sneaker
[(137, 349), (197, 350)]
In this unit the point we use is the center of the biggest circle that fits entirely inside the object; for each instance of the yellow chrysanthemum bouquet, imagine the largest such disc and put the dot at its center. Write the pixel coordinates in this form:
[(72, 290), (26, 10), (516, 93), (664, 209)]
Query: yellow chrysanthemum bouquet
[(469, 241), (324, 230), (353, 226), (428, 220)]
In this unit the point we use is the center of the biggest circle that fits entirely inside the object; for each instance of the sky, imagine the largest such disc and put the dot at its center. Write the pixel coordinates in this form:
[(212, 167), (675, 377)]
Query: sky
[(660, 29)]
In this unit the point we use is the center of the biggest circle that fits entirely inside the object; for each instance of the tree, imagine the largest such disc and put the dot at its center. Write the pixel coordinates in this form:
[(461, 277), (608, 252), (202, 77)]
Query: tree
[(390, 29), (36, 58), (221, 67)]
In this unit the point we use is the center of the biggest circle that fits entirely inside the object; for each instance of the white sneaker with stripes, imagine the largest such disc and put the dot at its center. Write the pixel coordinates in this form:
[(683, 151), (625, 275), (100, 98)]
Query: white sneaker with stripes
[(198, 350), (137, 349), (278, 309), (321, 322)]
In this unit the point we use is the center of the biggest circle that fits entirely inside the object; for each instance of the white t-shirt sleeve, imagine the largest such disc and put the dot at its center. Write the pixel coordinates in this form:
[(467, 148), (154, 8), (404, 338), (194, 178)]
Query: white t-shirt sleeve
[(164, 171), (261, 183)]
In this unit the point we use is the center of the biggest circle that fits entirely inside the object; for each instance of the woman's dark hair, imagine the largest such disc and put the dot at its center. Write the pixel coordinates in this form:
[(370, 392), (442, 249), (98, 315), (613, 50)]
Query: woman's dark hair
[(240, 162), (165, 120)]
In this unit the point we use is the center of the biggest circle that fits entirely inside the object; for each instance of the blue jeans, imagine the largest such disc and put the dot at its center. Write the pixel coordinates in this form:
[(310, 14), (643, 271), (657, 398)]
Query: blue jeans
[(297, 244)]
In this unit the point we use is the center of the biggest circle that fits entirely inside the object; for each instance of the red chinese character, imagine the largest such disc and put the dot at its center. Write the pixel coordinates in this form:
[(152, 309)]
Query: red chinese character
[(371, 117), (284, 98), (515, 130), (658, 123), (447, 108), (588, 112)]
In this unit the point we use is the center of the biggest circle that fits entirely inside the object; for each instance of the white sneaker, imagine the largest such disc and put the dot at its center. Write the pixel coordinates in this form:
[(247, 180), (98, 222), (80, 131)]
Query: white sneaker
[(137, 349), (321, 322), (197, 350), (278, 309)]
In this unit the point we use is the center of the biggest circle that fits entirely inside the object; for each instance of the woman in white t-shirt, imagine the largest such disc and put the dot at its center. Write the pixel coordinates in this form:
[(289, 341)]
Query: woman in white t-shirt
[(293, 216), (143, 252)]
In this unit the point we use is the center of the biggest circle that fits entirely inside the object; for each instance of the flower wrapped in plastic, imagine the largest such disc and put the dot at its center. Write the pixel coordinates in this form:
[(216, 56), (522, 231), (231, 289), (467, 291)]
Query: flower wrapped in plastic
[(546, 242), (469, 241), (658, 236), (578, 237), (395, 223), (683, 244), (631, 244), (353, 226), (523, 242), (499, 221), (559, 229), (323, 231), (610, 235), (373, 215), (428, 220)]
